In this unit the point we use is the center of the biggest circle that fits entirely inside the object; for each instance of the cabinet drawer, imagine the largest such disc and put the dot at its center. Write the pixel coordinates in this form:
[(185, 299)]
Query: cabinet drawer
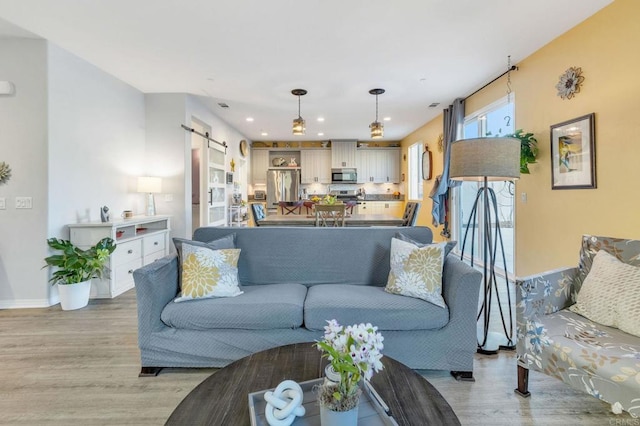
[(153, 243), (150, 258), (124, 272), (126, 252)]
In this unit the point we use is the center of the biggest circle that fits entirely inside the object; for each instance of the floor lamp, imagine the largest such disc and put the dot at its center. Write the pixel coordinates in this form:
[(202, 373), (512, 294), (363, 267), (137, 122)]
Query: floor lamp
[(484, 160)]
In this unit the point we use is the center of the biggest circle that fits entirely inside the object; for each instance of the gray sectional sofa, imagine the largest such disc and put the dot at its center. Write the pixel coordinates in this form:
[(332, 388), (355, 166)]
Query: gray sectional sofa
[(294, 279)]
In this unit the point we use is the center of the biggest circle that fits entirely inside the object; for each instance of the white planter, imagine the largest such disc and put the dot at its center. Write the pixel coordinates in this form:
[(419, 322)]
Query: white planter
[(74, 296), (338, 418)]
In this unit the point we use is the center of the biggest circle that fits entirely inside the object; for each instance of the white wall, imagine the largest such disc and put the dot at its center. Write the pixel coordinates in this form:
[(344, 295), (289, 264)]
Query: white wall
[(96, 142), (23, 145), (76, 139), (169, 151)]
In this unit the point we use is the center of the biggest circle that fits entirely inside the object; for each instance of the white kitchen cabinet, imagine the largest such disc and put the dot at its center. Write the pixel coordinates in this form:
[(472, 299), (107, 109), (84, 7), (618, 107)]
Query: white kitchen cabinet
[(139, 241), (393, 208), (378, 165), (343, 154), (259, 165), (393, 165), (315, 165)]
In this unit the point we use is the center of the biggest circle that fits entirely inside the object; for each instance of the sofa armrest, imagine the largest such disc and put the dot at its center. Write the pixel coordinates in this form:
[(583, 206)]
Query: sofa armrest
[(461, 290), (156, 285), (545, 293), (536, 296)]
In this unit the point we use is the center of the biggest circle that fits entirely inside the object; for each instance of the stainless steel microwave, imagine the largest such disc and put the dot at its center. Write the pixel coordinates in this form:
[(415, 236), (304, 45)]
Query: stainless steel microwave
[(344, 176)]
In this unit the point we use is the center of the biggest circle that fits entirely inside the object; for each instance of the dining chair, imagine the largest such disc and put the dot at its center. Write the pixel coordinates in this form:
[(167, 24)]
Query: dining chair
[(258, 213), (350, 205), (330, 214), (410, 213), (287, 207), (308, 205)]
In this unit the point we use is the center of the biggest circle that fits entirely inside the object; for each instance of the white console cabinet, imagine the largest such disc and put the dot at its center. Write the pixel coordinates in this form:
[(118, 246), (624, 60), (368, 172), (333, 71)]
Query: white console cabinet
[(139, 241)]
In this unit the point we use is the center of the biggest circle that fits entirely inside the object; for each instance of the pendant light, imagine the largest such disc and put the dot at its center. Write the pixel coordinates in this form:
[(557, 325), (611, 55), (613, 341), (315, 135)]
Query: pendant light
[(298, 123), (377, 128)]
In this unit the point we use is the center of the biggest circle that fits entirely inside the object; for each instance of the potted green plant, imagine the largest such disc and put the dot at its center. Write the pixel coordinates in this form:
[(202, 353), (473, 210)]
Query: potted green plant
[(354, 354), (75, 268), (528, 149)]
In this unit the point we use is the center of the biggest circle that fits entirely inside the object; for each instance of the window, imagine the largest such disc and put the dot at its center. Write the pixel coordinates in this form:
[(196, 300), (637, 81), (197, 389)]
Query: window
[(494, 120), (415, 171)]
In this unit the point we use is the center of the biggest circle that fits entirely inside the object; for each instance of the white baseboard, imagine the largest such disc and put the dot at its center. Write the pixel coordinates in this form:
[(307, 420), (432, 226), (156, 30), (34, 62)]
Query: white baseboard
[(26, 303)]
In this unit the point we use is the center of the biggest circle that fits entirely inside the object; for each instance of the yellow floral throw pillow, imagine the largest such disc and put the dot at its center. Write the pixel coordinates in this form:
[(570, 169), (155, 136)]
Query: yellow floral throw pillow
[(417, 271), (208, 273)]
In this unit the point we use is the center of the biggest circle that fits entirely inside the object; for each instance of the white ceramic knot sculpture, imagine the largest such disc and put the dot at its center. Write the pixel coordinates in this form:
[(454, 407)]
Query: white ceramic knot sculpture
[(284, 404)]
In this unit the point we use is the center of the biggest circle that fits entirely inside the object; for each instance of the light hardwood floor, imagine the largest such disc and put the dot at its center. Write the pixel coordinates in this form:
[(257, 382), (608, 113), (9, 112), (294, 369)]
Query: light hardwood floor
[(81, 368)]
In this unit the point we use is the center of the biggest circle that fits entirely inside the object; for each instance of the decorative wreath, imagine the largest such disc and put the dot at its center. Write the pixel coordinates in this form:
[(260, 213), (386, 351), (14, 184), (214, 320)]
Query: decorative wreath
[(5, 172), (570, 82)]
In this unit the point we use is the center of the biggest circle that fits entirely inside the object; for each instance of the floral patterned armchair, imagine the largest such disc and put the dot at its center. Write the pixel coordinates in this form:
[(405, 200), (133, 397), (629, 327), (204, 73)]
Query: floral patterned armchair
[(599, 360)]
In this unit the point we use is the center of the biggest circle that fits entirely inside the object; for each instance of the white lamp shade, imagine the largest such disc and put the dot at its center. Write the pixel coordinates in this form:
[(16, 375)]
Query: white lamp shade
[(493, 158), (149, 184)]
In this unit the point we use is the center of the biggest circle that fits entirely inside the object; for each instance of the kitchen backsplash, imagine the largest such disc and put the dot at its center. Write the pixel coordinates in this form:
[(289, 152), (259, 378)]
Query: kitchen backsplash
[(370, 188)]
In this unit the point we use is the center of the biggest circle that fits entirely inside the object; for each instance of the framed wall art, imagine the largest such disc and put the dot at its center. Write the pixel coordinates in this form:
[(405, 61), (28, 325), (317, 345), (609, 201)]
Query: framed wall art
[(573, 154)]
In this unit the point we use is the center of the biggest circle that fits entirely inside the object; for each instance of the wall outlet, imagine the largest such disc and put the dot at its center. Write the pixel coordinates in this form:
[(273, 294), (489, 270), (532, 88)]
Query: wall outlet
[(24, 203), (523, 197), (3, 203), (168, 197)]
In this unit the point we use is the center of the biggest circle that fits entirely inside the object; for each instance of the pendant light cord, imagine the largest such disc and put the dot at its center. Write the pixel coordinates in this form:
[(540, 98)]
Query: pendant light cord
[(376, 108)]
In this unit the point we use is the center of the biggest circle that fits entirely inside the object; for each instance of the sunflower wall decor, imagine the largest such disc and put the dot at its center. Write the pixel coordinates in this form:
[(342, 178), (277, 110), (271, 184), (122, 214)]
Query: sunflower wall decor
[(440, 142), (5, 172), (569, 83)]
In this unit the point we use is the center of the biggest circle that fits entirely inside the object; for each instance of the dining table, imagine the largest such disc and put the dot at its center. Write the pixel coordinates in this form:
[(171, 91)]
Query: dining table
[(350, 220)]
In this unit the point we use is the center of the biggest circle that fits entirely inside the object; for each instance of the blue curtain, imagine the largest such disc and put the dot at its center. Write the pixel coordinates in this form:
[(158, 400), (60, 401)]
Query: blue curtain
[(453, 121)]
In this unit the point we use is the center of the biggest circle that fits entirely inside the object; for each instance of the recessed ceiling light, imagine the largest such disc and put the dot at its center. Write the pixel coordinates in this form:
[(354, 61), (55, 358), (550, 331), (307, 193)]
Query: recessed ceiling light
[(249, 119), (320, 134), (387, 119), (320, 118), (264, 134)]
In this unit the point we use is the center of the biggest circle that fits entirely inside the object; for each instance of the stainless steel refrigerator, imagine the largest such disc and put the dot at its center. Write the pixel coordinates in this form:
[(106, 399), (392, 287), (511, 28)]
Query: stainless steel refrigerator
[(282, 185)]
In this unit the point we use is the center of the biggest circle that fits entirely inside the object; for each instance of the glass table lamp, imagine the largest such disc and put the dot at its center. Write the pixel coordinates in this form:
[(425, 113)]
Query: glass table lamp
[(150, 185)]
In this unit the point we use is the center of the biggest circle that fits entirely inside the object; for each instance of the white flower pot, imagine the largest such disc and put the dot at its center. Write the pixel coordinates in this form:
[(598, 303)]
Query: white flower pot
[(74, 296), (338, 418)]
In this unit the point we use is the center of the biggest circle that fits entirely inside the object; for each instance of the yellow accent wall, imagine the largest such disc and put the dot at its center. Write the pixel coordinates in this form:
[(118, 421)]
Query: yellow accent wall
[(549, 225), (428, 135)]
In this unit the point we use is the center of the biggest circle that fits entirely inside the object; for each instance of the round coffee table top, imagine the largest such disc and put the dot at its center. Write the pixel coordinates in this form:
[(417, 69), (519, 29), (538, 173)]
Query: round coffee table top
[(222, 398)]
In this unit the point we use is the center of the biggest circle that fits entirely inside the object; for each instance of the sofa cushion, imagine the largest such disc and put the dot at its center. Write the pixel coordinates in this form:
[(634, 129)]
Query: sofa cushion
[(625, 250), (416, 271), (610, 295), (208, 273), (450, 245), (226, 242), (259, 308), (354, 304)]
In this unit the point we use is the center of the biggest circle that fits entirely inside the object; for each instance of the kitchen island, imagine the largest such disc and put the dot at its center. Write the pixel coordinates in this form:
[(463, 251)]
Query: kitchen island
[(350, 220)]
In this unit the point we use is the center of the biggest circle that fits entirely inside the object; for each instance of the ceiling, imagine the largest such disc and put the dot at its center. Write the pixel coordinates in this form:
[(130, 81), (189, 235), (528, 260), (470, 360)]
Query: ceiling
[(250, 54)]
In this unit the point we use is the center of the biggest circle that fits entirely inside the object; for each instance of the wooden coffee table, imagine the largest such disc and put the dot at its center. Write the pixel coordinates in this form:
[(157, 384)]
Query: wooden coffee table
[(222, 398)]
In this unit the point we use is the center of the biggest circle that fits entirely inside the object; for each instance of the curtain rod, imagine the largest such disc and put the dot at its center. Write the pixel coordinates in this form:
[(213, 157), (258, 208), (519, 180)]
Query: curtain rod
[(206, 136), (513, 68)]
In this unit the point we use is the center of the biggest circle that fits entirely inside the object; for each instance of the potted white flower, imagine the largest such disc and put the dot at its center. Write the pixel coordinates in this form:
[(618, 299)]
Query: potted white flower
[(354, 353), (76, 268)]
